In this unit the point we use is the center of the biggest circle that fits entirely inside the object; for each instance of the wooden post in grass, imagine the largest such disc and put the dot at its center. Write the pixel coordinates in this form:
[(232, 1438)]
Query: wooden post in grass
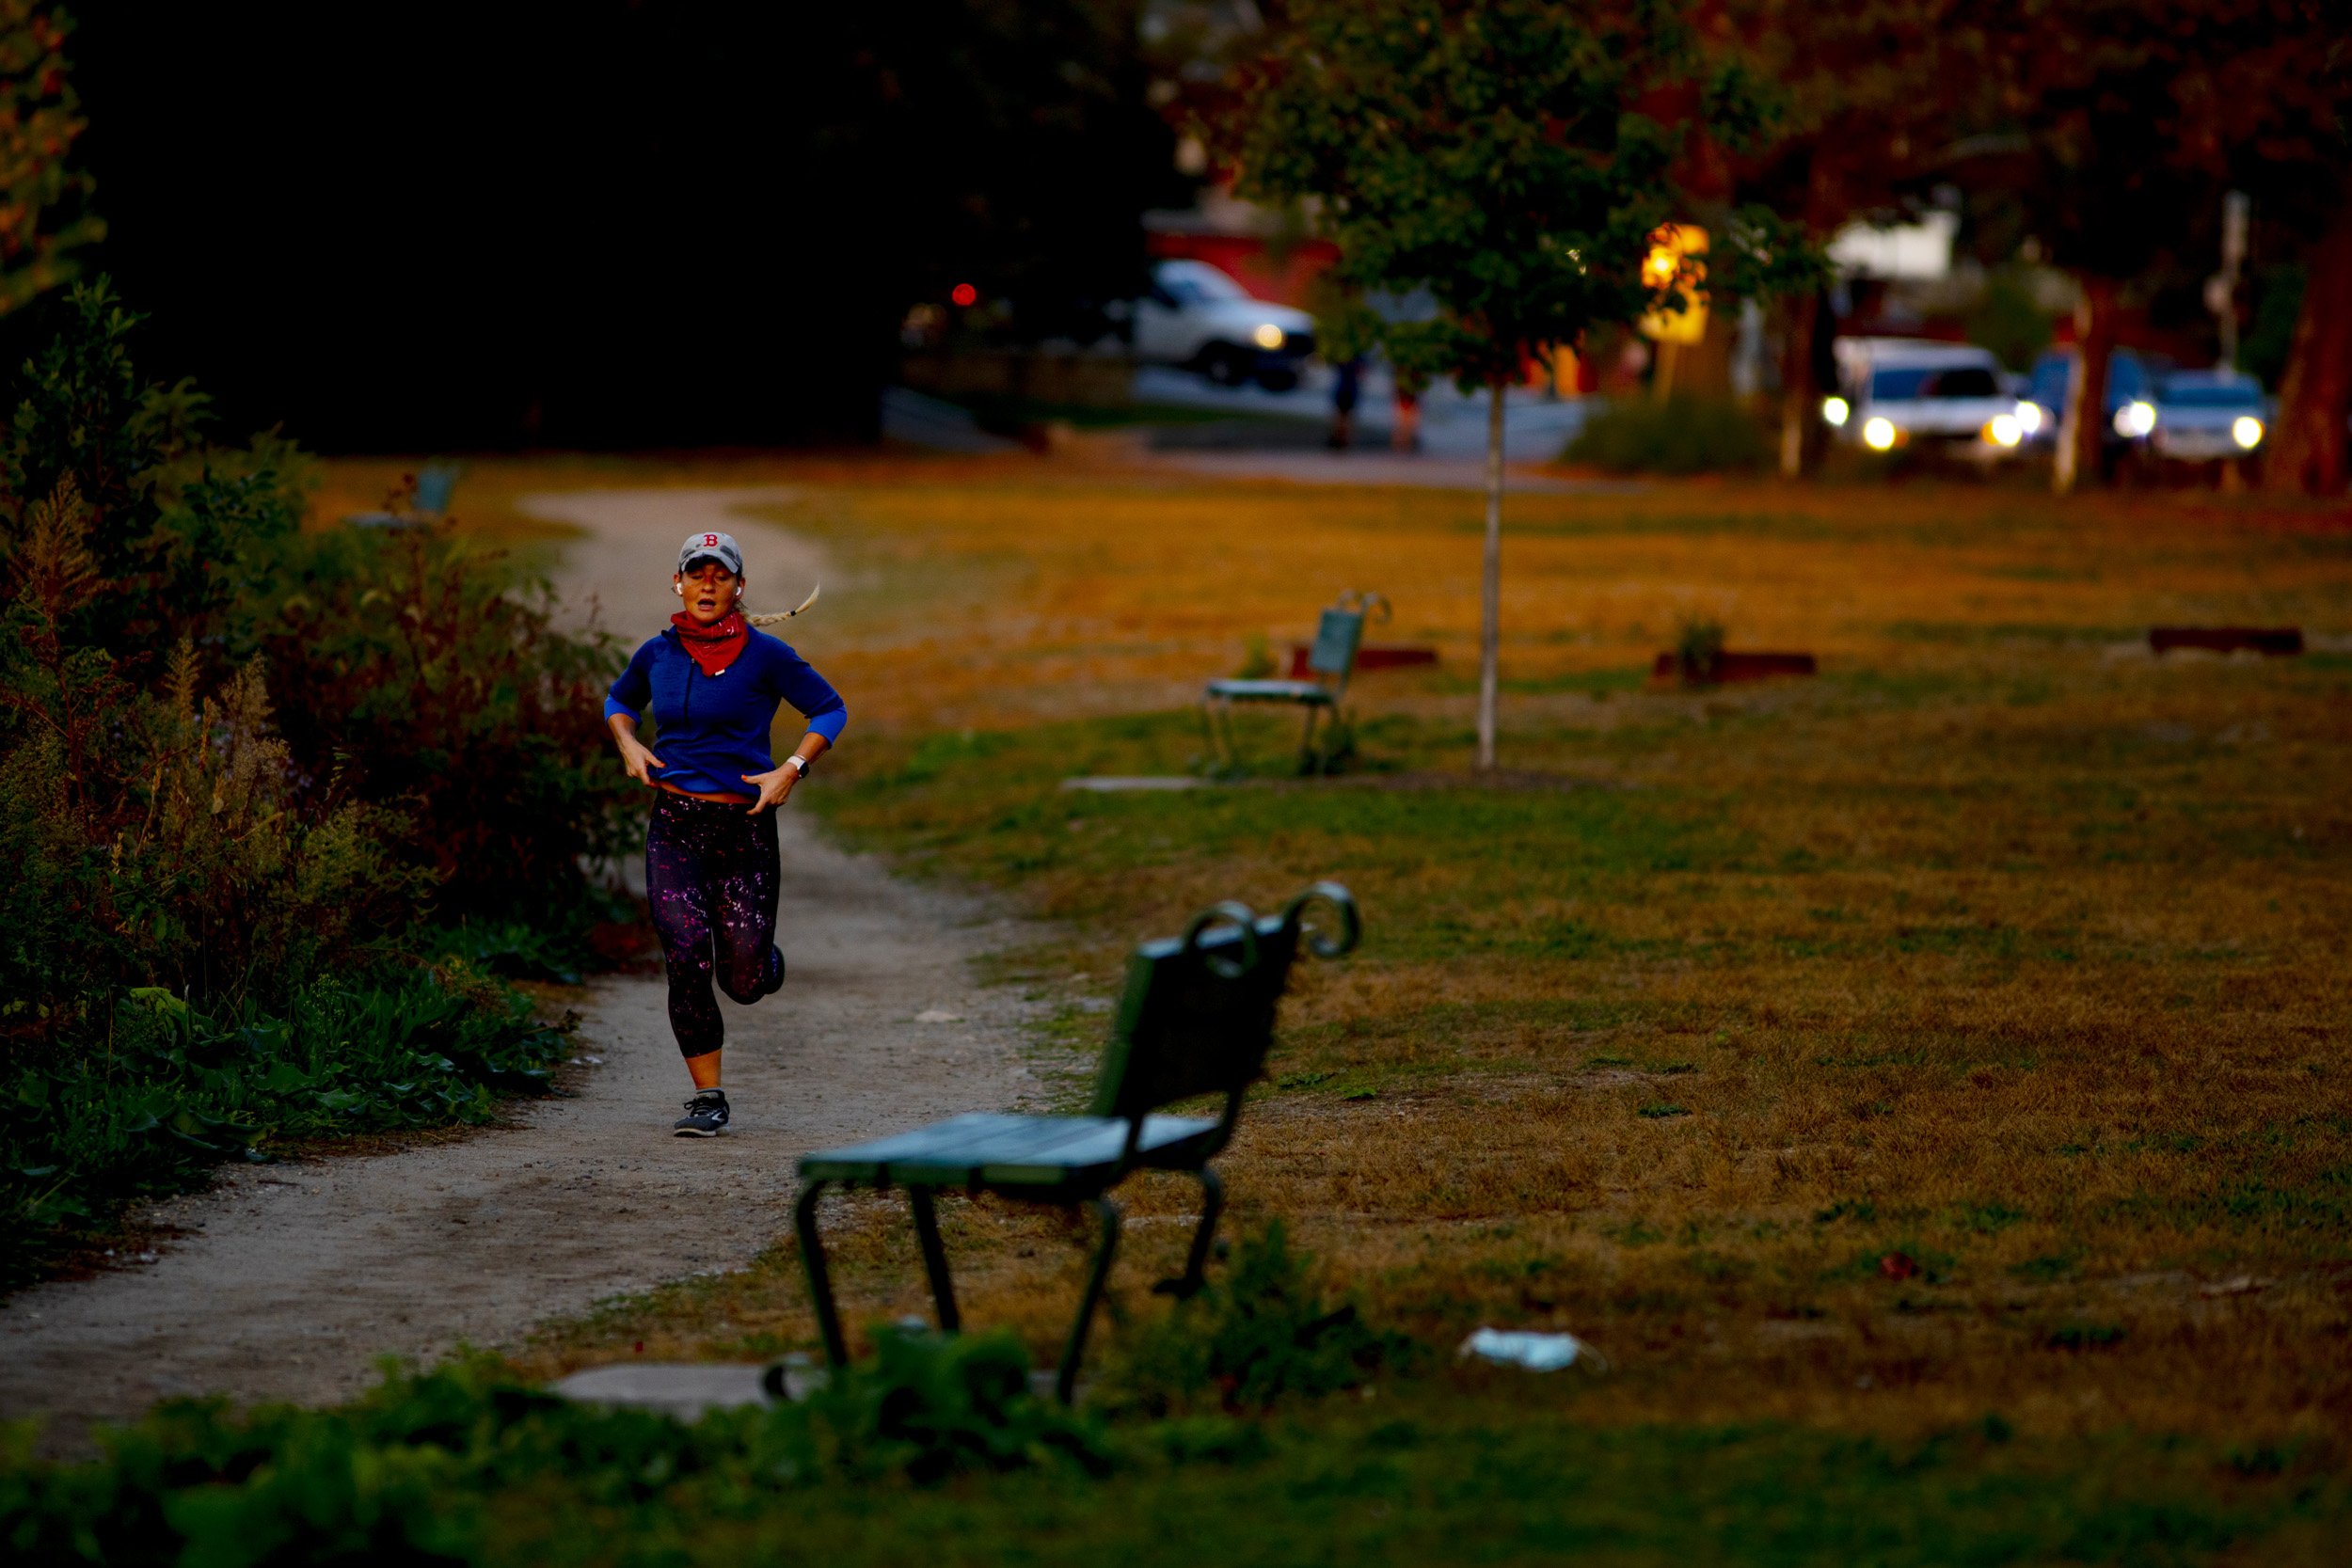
[(1510, 160)]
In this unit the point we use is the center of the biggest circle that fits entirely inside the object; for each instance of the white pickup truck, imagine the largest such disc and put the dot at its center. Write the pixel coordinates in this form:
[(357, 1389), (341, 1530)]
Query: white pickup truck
[(1197, 317), (1913, 391)]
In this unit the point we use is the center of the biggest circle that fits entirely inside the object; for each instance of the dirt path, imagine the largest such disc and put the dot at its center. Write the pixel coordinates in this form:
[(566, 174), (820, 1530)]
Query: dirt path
[(291, 1279)]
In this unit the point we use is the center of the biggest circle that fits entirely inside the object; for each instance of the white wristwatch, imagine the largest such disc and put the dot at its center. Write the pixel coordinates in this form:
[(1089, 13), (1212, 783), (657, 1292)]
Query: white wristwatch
[(797, 764)]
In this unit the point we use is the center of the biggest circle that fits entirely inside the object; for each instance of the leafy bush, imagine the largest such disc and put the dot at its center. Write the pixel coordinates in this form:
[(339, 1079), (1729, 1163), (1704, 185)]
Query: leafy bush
[(932, 1406), (1684, 434), (174, 1090), (403, 1475), (414, 671), (1262, 1333), (431, 675), (220, 905), (159, 838)]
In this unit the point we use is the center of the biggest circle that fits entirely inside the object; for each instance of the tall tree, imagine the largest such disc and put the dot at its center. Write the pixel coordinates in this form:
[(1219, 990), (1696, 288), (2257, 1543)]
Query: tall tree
[(1866, 106), (2279, 108), (1498, 154), (2307, 451), (2112, 128), (438, 222)]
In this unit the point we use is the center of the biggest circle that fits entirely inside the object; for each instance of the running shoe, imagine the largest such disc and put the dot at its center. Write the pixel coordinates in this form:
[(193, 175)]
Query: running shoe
[(775, 972), (706, 1114)]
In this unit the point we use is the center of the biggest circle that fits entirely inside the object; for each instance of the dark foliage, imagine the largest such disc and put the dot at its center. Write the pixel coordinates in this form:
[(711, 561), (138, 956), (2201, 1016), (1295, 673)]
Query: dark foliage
[(405, 1475), (419, 670), (149, 1104), (1263, 1333), (243, 770), (614, 225)]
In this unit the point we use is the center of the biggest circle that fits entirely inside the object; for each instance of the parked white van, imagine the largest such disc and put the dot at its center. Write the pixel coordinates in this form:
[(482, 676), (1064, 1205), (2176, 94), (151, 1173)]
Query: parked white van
[(1913, 391), (1197, 316)]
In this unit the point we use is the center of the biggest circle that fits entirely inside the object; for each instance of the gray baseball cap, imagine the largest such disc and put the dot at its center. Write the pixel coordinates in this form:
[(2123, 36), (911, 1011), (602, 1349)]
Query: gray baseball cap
[(720, 547)]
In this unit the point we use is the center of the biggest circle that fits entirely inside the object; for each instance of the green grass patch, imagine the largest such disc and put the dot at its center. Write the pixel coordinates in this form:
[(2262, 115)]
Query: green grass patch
[(177, 1090), (945, 1452)]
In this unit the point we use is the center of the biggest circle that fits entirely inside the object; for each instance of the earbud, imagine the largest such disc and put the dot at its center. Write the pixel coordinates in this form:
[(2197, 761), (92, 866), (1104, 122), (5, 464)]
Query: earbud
[(679, 589)]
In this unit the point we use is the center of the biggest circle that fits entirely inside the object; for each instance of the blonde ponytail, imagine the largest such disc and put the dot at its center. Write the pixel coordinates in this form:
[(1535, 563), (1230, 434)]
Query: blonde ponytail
[(787, 615)]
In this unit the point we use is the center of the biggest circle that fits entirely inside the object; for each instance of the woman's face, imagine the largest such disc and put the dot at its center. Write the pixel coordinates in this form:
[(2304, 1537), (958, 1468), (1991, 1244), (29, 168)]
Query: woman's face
[(710, 592)]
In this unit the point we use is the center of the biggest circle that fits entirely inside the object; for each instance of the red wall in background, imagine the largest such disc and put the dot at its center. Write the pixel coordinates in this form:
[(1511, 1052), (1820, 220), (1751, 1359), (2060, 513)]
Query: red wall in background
[(1245, 255)]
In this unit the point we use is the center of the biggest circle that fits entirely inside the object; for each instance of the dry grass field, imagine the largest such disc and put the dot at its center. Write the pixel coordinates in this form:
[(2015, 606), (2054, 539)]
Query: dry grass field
[(1958, 1037)]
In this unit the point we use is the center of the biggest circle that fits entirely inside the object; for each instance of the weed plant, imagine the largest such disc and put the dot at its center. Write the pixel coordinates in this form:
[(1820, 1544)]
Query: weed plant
[(1260, 1333)]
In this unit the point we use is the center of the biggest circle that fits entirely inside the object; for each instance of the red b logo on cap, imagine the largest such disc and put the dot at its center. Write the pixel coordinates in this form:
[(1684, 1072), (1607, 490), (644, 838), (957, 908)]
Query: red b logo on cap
[(710, 538)]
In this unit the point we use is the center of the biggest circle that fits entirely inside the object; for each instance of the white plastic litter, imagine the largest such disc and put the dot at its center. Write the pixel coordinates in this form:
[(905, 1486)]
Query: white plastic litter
[(1537, 1353)]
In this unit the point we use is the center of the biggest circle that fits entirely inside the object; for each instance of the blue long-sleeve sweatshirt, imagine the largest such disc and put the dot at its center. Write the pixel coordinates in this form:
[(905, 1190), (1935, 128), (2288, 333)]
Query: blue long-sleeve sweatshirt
[(713, 729)]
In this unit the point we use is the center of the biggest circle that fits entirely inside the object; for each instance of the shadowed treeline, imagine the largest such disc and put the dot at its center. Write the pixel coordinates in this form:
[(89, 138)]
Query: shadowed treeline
[(603, 224)]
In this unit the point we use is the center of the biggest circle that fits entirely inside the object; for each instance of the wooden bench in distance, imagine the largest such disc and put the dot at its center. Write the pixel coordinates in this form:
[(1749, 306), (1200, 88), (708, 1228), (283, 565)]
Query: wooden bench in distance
[(1735, 667), (1331, 662), (1197, 1018), (2271, 642)]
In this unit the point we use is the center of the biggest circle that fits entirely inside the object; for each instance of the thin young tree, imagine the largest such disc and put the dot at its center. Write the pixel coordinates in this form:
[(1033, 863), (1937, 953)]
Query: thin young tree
[(1511, 158)]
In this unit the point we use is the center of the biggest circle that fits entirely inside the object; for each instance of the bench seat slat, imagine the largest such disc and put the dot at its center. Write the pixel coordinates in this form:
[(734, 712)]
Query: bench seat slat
[(983, 1149), (1270, 691)]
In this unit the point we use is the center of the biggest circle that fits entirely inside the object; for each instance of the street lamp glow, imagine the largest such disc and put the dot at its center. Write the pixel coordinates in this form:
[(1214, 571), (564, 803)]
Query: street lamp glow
[(2135, 419), (1879, 434), (2004, 430), (1836, 411), (1268, 335), (2247, 432)]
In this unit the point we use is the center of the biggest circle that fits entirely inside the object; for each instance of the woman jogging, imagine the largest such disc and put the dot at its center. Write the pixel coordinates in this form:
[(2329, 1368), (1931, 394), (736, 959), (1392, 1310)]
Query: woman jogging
[(712, 872)]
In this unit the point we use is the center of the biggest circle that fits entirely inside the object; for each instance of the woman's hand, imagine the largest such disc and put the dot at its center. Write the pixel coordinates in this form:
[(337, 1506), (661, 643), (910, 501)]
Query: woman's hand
[(773, 787), (635, 759)]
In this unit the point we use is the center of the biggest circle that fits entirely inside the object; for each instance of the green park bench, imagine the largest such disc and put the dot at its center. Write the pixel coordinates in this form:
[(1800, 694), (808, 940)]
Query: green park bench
[(1197, 1018), (1338, 635)]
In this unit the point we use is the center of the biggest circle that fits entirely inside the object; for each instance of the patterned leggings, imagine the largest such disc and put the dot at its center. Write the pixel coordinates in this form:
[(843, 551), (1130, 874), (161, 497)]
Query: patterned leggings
[(712, 874)]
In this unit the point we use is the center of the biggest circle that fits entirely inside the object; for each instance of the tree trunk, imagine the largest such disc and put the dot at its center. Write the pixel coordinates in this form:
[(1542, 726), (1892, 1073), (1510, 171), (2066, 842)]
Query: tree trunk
[(1490, 588), (2082, 436), (2306, 454), (1802, 381)]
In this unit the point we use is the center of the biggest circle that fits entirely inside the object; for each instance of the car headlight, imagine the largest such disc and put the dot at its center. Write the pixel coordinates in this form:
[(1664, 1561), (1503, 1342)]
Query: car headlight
[(2248, 430), (1836, 411), (1269, 336), (2135, 419), (2030, 417), (1879, 434), (2004, 430)]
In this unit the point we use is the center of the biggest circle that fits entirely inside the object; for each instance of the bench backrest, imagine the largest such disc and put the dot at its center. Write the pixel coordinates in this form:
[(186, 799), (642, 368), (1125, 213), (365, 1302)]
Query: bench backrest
[(1337, 637), (436, 484), (1340, 633), (1197, 1015)]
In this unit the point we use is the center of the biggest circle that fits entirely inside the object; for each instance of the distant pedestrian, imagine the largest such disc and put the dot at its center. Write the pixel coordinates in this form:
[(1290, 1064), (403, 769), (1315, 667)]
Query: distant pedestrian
[(713, 873), (1347, 389), (1405, 435)]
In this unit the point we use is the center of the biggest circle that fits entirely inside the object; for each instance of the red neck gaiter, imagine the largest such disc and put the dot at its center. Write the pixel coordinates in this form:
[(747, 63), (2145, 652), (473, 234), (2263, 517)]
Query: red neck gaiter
[(714, 646)]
